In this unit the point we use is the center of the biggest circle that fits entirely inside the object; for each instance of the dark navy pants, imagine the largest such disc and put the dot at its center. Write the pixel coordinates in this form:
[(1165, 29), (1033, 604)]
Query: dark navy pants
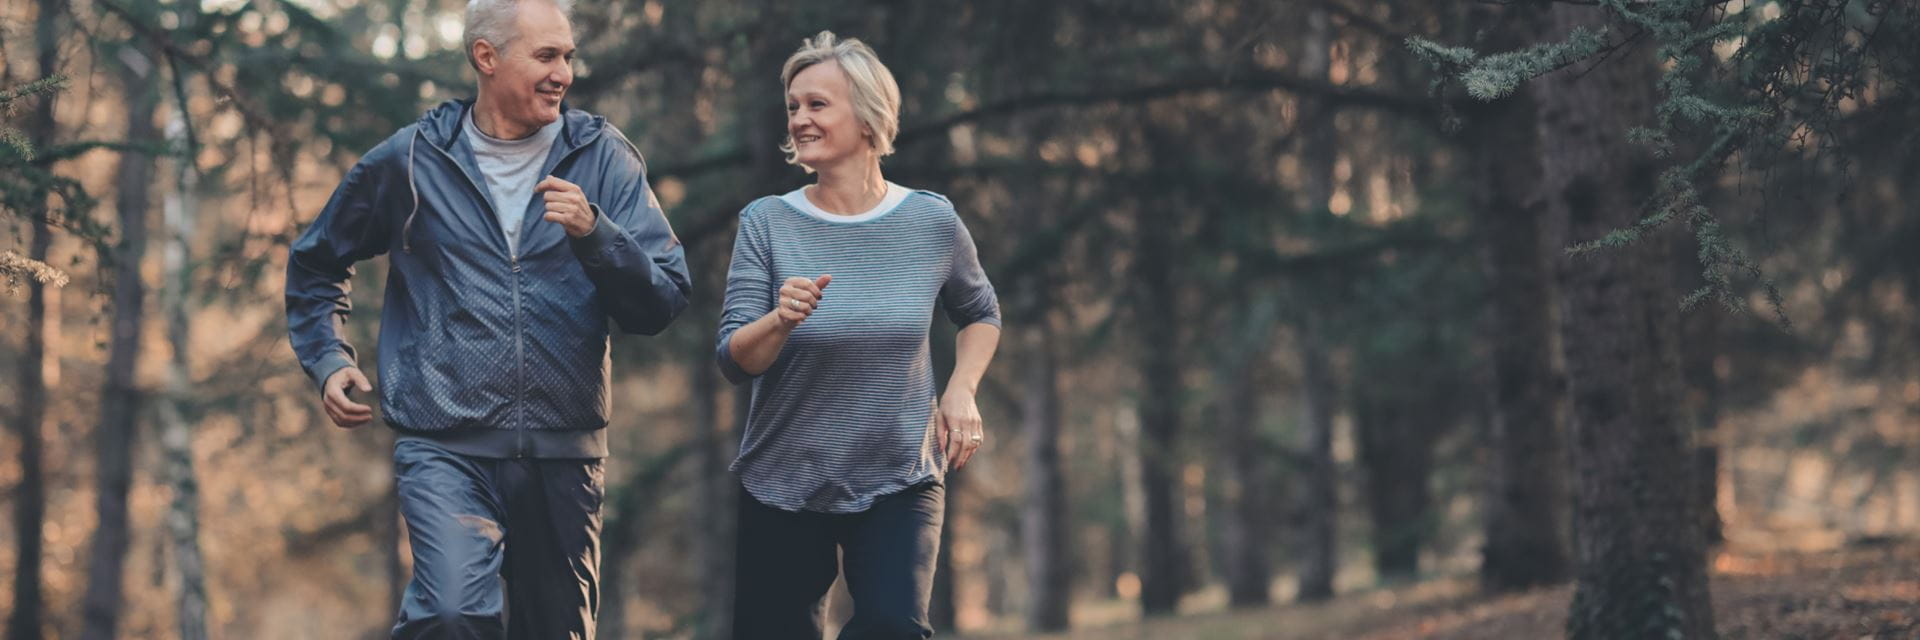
[(502, 548), (787, 563)]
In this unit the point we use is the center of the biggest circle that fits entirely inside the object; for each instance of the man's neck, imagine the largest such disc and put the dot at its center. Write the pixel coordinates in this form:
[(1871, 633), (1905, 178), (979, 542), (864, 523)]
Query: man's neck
[(486, 117)]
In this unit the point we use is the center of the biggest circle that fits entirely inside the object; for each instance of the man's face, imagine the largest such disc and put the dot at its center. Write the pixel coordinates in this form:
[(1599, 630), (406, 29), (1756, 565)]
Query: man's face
[(528, 78)]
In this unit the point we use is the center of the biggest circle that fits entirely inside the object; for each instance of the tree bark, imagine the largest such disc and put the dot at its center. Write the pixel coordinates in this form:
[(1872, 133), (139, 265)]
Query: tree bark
[(1318, 154), (1526, 532), (1247, 531), (717, 449), (1396, 451), (30, 501), (1641, 555), (176, 437), (1043, 521), (121, 397), (1700, 351), (1319, 544), (1161, 567)]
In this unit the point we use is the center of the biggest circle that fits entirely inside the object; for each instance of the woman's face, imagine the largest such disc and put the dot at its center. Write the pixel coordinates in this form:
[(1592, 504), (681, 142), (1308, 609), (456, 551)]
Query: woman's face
[(820, 117)]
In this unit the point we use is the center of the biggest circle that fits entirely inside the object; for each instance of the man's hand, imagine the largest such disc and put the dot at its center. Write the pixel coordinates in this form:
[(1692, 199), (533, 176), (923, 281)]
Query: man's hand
[(346, 413), (566, 205), (798, 298)]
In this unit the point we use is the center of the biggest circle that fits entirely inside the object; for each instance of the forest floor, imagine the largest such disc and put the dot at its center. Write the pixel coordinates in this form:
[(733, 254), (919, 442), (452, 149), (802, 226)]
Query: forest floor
[(1859, 592)]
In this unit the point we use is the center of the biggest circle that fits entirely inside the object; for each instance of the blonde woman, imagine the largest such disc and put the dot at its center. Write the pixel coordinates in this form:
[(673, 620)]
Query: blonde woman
[(845, 444)]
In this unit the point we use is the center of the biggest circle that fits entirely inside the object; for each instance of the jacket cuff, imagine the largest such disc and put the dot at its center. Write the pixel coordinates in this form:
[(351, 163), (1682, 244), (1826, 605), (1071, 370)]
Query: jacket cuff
[(328, 365), (604, 236)]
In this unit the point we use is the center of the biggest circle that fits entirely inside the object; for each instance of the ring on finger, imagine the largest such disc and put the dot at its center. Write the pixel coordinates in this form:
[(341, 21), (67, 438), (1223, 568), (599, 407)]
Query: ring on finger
[(977, 438)]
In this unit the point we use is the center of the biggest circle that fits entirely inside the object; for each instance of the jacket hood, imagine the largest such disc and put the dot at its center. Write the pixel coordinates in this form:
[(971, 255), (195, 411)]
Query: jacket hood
[(441, 124)]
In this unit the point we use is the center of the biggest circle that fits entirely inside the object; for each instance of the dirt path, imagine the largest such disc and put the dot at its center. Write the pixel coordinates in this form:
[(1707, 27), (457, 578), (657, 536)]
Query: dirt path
[(1862, 593)]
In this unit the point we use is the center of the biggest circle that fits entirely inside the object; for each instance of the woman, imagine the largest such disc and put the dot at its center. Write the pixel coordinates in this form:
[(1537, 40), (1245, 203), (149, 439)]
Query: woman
[(845, 445)]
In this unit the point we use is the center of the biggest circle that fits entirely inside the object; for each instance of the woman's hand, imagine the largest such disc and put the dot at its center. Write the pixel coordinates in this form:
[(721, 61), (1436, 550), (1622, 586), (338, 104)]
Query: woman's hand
[(799, 297), (960, 429)]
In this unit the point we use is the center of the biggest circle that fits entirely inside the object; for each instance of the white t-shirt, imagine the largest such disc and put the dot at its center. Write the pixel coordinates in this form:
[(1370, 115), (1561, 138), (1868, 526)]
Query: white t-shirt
[(511, 169)]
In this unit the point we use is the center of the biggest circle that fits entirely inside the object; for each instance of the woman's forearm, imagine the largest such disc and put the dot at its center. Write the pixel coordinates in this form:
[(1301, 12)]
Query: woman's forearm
[(757, 344), (973, 350)]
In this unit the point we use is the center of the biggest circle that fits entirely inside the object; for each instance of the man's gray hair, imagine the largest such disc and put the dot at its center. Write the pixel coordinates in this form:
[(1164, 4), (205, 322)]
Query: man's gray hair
[(492, 21)]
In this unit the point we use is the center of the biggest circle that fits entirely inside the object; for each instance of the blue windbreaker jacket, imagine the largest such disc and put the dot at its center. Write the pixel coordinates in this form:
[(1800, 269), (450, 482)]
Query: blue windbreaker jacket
[(507, 353)]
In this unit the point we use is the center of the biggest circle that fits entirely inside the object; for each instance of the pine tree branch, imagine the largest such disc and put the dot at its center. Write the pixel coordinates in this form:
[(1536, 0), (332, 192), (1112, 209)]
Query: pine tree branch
[(1199, 82), (1353, 17), (254, 116), (15, 269)]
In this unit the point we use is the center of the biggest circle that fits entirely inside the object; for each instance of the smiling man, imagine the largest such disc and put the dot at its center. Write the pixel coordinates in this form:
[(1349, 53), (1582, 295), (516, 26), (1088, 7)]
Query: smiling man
[(516, 229)]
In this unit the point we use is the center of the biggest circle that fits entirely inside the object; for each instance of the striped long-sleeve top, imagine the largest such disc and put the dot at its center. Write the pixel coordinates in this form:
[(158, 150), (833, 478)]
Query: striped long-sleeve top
[(845, 415)]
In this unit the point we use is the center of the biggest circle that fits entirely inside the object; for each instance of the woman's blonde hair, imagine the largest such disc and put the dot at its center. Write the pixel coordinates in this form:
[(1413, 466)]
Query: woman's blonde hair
[(875, 96)]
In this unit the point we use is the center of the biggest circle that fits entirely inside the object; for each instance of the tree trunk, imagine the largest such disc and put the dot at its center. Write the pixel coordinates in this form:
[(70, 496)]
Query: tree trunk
[(1323, 499), (30, 501), (718, 512), (1044, 521), (1526, 541), (120, 397), (1247, 531), (1159, 344), (1705, 382), (1318, 154), (1700, 352), (1641, 555), (176, 437), (1396, 450)]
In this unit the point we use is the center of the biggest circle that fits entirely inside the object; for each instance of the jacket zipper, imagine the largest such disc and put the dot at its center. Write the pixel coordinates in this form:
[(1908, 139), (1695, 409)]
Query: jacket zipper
[(519, 314)]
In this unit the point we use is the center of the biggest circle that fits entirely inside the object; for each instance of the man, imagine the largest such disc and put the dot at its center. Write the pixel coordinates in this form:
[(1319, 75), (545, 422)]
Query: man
[(515, 227)]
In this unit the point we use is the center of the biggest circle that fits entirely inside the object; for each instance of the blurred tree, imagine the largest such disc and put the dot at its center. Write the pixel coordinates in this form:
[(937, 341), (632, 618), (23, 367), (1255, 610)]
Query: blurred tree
[(118, 430), (28, 194), (181, 211), (1526, 511), (1318, 152)]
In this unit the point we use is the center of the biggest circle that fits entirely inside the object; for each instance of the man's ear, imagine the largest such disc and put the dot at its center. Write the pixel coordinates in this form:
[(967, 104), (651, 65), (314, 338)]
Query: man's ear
[(485, 57)]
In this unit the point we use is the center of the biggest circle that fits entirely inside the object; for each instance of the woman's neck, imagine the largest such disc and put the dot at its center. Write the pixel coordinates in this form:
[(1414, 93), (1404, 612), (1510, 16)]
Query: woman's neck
[(849, 190)]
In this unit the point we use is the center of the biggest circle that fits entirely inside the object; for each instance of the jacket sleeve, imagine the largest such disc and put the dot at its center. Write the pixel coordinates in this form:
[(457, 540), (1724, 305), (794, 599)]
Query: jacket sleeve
[(352, 227), (636, 264)]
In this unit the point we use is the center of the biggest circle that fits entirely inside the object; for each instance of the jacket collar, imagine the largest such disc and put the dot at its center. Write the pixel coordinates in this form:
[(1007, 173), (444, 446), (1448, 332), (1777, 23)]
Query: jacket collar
[(441, 125)]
